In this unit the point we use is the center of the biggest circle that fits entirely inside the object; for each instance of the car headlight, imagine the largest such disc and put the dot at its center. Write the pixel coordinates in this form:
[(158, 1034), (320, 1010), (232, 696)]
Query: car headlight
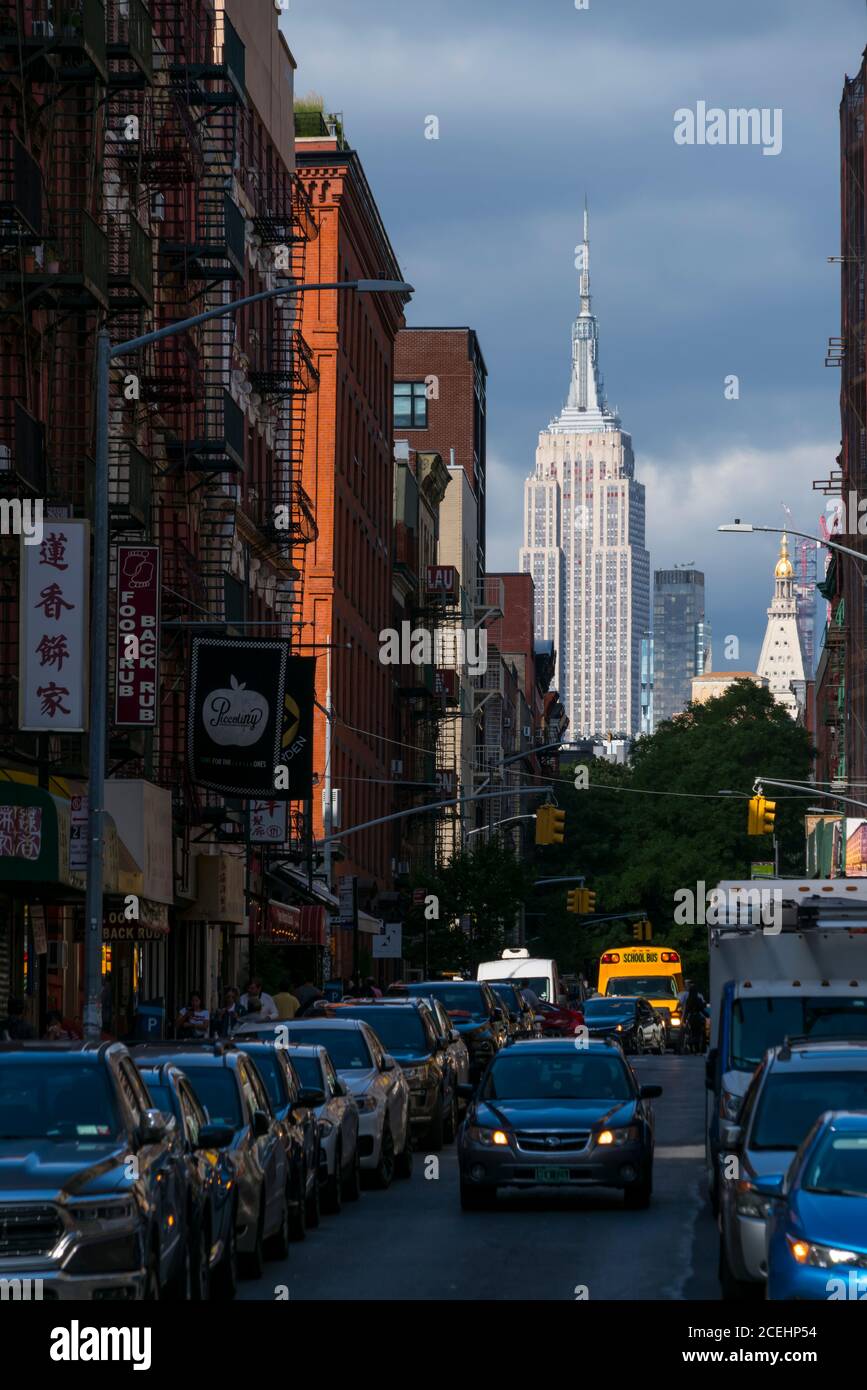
[(627, 1134), (416, 1076), (498, 1138), (366, 1104), (729, 1105), (825, 1256), (103, 1213), (749, 1202), (325, 1128)]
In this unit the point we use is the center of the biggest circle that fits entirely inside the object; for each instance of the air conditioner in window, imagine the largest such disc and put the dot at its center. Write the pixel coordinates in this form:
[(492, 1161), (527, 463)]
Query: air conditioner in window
[(43, 29), (58, 955), (527, 731), (397, 767)]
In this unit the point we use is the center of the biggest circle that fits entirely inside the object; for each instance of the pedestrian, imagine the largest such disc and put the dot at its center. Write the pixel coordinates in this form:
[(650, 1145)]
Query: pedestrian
[(256, 1001), (227, 1016), (306, 993), (285, 1000), (194, 1020), (14, 1027), (371, 989), (54, 1029), (353, 989)]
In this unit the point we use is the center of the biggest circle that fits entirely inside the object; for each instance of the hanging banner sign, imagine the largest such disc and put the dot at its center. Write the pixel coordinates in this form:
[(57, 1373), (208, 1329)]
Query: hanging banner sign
[(54, 629), (268, 822), (250, 724), (137, 646)]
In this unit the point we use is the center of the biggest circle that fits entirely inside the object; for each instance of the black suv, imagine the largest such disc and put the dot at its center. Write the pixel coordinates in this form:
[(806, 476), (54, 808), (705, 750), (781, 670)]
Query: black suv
[(211, 1250), (233, 1093), (92, 1190), (300, 1130), (475, 1011), (408, 1031)]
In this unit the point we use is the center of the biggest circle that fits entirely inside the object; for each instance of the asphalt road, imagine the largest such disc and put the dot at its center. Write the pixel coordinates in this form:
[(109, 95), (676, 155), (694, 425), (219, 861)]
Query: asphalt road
[(414, 1242)]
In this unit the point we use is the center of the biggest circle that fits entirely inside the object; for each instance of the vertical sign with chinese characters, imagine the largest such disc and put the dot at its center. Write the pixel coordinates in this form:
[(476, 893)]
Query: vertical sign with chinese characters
[(55, 624), (268, 822), (138, 635)]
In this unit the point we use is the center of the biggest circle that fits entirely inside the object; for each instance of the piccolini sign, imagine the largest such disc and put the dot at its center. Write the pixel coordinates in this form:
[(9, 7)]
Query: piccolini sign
[(250, 720)]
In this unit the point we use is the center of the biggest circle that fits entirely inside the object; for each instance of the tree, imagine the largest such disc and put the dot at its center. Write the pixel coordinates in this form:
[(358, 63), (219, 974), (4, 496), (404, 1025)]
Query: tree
[(482, 888)]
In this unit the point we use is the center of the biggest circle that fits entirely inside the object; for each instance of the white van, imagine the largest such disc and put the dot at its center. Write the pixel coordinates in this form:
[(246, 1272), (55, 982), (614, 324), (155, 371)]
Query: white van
[(538, 974)]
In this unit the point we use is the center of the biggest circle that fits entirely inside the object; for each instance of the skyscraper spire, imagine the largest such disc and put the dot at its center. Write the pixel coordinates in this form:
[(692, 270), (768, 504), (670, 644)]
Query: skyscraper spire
[(584, 284), (586, 407)]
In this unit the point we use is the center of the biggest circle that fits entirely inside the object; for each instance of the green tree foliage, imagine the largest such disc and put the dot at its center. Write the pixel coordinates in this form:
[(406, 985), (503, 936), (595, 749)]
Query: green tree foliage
[(638, 844), (484, 885)]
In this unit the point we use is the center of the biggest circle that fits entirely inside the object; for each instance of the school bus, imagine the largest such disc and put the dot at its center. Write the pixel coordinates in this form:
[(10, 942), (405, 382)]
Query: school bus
[(655, 972)]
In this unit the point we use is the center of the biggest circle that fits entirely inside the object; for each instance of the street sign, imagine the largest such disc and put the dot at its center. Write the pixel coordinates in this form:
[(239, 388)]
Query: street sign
[(763, 869), (137, 647), (54, 630), (347, 895), (389, 944)]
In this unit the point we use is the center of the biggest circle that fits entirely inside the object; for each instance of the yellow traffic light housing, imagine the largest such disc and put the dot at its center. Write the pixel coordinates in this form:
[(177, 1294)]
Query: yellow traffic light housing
[(762, 813), (769, 813), (557, 823), (642, 931), (573, 900), (589, 900), (543, 825)]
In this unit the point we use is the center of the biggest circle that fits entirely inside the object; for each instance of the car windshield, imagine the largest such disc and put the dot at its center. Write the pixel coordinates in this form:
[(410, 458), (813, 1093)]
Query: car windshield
[(398, 1029), (508, 995), (558, 1076), (457, 1000), (758, 1024), (839, 1166), (648, 986), (42, 1098), (539, 984), (269, 1069), (790, 1103), (347, 1046), (607, 1008), (217, 1090), (309, 1071)]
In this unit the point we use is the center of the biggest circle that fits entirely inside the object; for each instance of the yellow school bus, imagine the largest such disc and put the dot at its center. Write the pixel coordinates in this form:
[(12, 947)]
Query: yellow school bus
[(655, 972)]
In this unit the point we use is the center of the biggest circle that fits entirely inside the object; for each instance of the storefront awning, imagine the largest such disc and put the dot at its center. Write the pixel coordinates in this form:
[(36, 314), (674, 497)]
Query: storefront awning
[(34, 837)]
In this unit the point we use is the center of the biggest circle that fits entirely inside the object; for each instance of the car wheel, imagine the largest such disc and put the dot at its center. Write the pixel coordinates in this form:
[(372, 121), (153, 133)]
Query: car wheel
[(734, 1290), (637, 1197), (297, 1215), (200, 1266), (451, 1125), (332, 1197), (314, 1207), (436, 1129), (253, 1263), (277, 1245), (179, 1285), (225, 1281), (352, 1182), (477, 1198), (383, 1173), (404, 1162)]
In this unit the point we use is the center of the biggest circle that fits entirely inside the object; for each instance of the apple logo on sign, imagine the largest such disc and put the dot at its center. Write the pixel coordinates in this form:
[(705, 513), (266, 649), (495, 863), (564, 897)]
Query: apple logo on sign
[(235, 716)]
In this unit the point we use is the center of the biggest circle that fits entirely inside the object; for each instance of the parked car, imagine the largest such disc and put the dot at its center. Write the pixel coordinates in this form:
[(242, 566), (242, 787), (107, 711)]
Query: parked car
[(337, 1117), (377, 1084), (212, 1252), (456, 1049), (233, 1093), (300, 1130), (408, 1030), (792, 1087), (522, 1020), (548, 1114), (475, 1013), (817, 1219), (634, 1023), (74, 1211)]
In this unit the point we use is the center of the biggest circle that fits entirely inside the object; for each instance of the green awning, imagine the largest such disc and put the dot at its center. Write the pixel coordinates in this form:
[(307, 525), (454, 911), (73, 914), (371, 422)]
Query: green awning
[(34, 836)]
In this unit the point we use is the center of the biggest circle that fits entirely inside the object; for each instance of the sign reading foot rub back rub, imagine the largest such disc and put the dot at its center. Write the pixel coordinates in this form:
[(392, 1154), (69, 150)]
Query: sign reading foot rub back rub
[(250, 712)]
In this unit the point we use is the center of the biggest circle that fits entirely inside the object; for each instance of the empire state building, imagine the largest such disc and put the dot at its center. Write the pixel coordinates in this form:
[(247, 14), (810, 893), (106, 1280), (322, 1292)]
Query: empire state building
[(584, 543)]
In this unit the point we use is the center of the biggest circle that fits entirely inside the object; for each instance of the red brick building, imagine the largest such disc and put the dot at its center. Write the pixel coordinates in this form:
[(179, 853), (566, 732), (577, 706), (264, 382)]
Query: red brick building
[(348, 472)]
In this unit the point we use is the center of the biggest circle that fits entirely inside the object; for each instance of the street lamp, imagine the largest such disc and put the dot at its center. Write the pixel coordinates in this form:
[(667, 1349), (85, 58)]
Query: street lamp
[(105, 354), (744, 526)]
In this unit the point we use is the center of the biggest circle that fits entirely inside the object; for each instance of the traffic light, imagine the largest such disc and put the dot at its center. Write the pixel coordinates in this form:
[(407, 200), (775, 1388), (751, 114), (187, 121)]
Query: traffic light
[(550, 825), (543, 825), (573, 900), (761, 816), (589, 900), (642, 931)]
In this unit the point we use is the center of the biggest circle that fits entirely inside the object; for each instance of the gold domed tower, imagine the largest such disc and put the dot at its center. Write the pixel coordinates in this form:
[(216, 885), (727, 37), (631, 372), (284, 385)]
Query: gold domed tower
[(782, 658), (784, 568)]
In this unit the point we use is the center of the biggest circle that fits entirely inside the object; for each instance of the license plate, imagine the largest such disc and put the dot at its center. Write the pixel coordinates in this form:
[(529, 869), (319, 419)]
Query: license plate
[(552, 1175)]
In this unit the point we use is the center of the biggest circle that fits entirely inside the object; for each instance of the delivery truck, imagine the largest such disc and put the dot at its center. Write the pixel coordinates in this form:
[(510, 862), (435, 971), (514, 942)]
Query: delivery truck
[(787, 958)]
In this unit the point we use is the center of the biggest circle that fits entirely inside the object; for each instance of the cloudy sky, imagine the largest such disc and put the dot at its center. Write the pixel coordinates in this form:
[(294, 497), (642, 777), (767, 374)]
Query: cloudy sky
[(706, 260)]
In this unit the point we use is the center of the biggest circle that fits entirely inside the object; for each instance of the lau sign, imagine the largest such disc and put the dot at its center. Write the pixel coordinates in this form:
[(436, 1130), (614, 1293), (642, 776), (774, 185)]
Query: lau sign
[(138, 635)]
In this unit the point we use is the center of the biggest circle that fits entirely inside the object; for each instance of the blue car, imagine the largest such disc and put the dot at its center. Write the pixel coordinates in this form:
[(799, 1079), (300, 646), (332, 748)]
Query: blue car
[(817, 1222)]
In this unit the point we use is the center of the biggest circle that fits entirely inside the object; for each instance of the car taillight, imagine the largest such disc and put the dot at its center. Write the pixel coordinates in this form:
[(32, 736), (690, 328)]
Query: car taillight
[(611, 958)]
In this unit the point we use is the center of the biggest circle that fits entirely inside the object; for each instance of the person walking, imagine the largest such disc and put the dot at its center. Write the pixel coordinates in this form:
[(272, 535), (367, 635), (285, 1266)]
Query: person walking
[(193, 1019), (256, 1001), (285, 1000), (226, 1018), (307, 994)]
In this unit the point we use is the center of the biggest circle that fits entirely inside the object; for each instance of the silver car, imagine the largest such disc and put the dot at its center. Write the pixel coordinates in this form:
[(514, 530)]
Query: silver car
[(337, 1117)]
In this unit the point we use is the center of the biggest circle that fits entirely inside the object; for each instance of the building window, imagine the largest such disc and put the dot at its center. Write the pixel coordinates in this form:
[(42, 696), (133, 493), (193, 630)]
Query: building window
[(410, 405)]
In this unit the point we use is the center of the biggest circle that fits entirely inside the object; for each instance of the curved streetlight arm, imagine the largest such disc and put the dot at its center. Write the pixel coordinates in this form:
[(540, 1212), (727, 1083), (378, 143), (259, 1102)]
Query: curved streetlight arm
[(746, 526)]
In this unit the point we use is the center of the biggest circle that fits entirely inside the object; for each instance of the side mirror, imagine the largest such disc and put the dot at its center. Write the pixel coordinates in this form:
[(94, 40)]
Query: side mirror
[(215, 1137), (465, 1090), (388, 1063), (729, 1135), (152, 1126), (650, 1092), (710, 1068), (770, 1185), (261, 1123), (309, 1097)]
